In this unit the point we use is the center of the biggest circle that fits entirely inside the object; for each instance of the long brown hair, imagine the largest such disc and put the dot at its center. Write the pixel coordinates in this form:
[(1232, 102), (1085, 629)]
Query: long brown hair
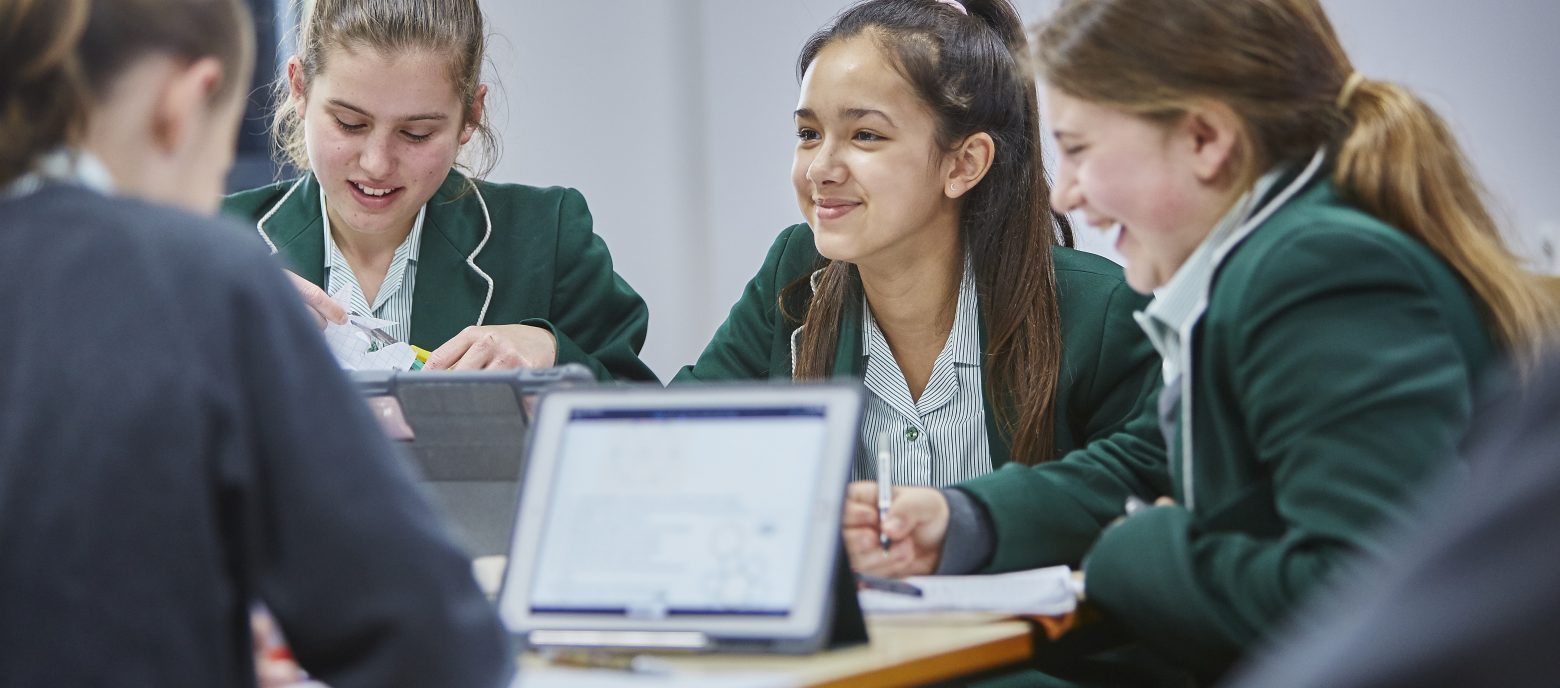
[(1278, 64), (58, 56), (452, 28), (971, 73)]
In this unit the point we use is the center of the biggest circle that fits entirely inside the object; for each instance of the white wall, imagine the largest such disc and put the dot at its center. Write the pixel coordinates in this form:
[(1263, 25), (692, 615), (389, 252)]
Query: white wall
[(607, 97), (673, 118), (1492, 69)]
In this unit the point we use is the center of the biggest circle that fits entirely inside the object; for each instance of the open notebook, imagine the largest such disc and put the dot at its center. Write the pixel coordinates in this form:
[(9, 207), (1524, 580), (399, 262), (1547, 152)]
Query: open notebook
[(1038, 592)]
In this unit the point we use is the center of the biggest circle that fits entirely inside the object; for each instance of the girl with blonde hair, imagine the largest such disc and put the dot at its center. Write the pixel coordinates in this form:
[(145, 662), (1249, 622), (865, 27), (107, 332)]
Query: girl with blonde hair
[(376, 106), (1329, 292)]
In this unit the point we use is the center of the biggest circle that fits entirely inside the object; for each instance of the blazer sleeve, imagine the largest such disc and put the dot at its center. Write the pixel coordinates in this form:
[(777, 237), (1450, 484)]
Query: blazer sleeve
[(1050, 513), (1353, 390), (1468, 597), (598, 320), (743, 345), (340, 542)]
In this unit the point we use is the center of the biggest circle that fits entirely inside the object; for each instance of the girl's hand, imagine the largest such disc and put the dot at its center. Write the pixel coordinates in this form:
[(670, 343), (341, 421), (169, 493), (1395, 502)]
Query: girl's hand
[(321, 305), (496, 347), (274, 664), (916, 526)]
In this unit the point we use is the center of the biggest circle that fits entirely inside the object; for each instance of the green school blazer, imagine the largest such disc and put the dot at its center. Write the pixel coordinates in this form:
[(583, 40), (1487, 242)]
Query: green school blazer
[(1107, 362), (1334, 371), (547, 267)]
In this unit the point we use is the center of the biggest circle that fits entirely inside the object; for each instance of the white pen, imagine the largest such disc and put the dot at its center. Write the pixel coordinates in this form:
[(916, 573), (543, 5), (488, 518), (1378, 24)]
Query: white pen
[(885, 481)]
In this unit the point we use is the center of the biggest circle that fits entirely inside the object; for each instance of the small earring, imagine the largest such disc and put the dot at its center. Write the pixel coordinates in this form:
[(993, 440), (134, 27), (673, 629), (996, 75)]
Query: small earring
[(953, 188)]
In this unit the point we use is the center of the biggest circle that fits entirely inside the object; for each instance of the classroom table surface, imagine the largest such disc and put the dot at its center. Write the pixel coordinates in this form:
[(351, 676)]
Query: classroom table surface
[(904, 651)]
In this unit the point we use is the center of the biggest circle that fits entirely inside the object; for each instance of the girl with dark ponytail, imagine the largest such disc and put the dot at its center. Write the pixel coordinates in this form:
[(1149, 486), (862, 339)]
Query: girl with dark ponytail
[(931, 264), (1329, 292)]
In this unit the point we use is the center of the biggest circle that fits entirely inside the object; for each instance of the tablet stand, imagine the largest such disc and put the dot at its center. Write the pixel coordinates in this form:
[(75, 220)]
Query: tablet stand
[(847, 626)]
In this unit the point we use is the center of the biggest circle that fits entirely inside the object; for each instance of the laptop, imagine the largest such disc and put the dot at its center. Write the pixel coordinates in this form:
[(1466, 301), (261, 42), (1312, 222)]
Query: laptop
[(698, 518), (464, 433)]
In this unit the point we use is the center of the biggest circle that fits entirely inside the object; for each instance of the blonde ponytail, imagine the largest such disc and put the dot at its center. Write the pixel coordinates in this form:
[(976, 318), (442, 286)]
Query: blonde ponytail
[(1400, 163)]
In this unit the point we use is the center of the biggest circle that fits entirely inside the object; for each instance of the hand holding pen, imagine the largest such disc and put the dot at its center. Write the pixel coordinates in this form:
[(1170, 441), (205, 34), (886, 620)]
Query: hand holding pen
[(915, 523)]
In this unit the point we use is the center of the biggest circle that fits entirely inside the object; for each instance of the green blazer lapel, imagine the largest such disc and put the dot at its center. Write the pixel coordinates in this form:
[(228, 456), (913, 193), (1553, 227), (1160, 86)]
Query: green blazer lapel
[(850, 362), (294, 228), (997, 442), (451, 294)]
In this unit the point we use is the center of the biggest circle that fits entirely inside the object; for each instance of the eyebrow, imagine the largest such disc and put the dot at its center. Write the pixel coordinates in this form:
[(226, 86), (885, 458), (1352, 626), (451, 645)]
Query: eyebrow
[(411, 118), (848, 113)]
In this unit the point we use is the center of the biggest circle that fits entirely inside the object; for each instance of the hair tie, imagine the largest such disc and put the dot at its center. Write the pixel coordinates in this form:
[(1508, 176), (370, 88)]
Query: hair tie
[(956, 5), (1350, 85)]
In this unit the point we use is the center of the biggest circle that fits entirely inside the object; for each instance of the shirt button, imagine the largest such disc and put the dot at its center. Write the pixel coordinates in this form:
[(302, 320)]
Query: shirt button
[(911, 433)]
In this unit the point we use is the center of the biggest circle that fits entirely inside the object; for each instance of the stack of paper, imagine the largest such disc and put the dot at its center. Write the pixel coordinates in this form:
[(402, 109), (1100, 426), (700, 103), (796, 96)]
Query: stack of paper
[(354, 349), (1040, 592)]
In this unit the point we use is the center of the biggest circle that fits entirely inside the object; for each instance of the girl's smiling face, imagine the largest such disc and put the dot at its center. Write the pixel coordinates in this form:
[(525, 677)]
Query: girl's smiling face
[(1164, 184), (382, 132), (868, 172)]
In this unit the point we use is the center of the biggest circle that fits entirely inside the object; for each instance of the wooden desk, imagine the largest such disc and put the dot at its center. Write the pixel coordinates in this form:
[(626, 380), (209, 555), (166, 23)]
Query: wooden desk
[(905, 651)]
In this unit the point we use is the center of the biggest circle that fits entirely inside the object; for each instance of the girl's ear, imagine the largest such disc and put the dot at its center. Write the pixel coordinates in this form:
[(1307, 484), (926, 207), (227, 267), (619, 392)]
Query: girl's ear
[(969, 163), (1209, 139), (296, 86), (182, 105), (474, 114)]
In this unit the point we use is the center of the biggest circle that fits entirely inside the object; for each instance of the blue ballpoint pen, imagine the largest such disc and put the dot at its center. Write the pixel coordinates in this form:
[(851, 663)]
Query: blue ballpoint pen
[(892, 585)]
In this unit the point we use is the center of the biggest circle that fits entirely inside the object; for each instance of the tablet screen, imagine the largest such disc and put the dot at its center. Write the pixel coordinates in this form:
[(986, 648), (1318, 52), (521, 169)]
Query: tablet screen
[(707, 503)]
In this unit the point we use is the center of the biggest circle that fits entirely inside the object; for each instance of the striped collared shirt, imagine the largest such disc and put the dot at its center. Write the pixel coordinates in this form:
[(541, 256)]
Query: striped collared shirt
[(939, 439), (394, 300)]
